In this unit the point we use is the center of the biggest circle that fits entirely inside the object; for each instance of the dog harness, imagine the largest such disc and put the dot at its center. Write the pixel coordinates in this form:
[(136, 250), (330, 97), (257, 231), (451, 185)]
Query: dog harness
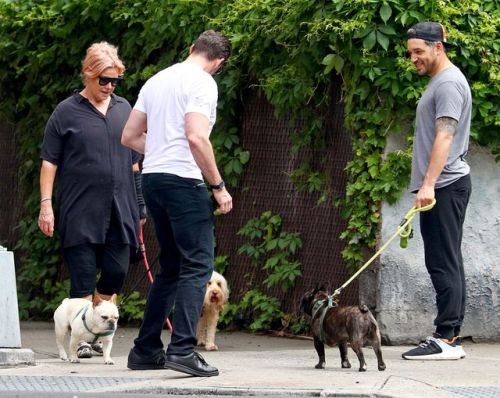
[(83, 311), (320, 305)]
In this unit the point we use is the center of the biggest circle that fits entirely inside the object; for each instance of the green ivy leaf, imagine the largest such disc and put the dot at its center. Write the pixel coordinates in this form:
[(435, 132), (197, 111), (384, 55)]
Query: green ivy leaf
[(385, 12), (359, 34), (244, 157), (388, 30), (395, 88), (333, 61), (338, 63), (404, 17), (328, 61), (383, 40), (370, 40)]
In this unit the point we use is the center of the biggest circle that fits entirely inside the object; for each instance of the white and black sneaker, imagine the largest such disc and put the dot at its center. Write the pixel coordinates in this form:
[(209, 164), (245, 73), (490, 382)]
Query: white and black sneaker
[(436, 349), (458, 345)]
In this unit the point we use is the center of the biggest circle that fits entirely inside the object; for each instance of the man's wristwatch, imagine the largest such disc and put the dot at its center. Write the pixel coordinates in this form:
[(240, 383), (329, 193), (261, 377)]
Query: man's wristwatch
[(218, 186)]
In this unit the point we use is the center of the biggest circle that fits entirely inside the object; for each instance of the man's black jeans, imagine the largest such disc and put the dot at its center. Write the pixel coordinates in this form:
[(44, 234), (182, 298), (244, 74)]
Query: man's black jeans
[(183, 216), (441, 229)]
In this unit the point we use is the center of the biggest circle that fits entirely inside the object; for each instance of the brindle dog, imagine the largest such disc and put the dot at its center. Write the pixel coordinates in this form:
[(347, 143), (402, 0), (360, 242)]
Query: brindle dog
[(341, 325)]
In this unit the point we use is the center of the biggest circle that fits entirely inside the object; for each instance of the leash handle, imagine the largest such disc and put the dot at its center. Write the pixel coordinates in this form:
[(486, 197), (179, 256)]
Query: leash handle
[(405, 230), (414, 210)]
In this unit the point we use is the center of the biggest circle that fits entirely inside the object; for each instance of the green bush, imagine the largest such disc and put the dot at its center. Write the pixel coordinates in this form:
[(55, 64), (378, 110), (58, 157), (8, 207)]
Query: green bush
[(272, 252)]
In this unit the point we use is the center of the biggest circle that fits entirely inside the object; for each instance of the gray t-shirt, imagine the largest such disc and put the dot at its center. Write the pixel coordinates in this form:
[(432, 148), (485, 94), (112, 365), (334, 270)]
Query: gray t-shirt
[(447, 95)]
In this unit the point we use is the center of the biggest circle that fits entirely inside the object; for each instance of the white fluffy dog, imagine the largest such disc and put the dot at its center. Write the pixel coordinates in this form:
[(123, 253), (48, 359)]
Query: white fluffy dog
[(215, 299)]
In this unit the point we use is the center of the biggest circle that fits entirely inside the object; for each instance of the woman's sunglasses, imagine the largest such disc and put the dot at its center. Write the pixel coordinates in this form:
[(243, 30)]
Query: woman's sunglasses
[(115, 81)]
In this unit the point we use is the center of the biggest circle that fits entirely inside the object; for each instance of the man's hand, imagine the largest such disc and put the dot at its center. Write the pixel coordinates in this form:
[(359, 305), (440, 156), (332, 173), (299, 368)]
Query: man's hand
[(46, 219), (223, 199), (425, 196)]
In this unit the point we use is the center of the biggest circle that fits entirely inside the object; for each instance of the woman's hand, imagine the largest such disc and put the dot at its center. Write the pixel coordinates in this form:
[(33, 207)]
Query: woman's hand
[(46, 219)]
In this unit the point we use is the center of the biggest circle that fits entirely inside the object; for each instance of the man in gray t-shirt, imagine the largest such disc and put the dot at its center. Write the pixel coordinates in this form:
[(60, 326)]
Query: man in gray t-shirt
[(440, 172)]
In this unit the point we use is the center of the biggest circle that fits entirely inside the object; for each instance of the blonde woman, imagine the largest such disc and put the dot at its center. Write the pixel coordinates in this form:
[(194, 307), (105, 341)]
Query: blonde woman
[(97, 208)]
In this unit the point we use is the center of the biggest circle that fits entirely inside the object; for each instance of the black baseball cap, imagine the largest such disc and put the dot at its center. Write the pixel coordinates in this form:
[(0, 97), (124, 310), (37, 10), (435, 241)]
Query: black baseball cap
[(430, 31)]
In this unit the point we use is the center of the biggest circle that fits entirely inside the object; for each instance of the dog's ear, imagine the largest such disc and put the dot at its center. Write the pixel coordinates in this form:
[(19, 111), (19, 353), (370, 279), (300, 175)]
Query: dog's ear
[(305, 305), (113, 298), (319, 288), (96, 300)]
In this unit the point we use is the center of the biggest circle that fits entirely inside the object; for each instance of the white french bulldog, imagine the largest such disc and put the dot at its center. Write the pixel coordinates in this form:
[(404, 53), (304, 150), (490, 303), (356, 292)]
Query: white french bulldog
[(86, 321)]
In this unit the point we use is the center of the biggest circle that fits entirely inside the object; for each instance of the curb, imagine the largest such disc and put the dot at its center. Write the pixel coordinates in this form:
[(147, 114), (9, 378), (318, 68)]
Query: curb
[(251, 392), (14, 357)]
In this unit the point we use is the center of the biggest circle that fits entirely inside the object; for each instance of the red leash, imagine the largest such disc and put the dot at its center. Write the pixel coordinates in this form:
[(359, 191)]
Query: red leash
[(142, 248)]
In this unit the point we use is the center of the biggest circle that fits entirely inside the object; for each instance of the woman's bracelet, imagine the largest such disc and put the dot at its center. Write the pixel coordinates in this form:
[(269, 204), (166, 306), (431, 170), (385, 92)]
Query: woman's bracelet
[(45, 199)]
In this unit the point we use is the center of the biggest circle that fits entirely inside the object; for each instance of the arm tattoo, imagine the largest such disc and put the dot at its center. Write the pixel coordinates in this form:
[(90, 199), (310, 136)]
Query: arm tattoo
[(446, 125)]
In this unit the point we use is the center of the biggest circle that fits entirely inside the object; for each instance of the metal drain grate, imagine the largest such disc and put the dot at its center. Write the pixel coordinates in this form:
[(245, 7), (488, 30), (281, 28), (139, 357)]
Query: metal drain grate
[(61, 383), (475, 392)]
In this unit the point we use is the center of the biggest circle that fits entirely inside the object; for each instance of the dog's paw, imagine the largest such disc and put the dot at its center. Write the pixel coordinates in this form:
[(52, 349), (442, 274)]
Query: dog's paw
[(74, 360), (320, 365), (346, 364), (381, 367), (109, 362), (63, 355), (212, 347)]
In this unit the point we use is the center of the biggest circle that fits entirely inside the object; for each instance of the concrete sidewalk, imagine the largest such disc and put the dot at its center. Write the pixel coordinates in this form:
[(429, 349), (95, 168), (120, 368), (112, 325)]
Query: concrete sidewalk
[(259, 365)]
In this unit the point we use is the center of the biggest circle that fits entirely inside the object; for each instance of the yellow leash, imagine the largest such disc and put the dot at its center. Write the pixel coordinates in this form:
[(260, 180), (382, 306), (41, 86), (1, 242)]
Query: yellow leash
[(404, 232)]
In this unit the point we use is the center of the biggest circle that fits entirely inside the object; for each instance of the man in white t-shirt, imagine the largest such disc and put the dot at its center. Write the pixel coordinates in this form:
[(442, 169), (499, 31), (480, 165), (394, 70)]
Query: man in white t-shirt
[(177, 108)]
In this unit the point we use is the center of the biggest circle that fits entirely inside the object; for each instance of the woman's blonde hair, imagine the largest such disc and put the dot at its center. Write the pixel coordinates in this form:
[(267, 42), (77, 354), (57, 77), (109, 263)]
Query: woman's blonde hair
[(101, 56)]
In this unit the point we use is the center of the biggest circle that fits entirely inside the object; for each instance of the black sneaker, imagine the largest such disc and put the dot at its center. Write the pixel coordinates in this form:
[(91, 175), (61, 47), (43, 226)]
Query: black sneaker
[(141, 362), (435, 349), (96, 348), (192, 364)]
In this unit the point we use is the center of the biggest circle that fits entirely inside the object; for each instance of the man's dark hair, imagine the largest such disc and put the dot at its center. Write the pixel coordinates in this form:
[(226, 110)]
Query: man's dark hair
[(433, 45), (213, 44)]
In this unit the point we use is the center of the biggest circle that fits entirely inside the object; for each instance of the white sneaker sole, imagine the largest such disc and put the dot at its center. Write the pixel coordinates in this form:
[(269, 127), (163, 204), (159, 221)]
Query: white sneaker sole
[(435, 357)]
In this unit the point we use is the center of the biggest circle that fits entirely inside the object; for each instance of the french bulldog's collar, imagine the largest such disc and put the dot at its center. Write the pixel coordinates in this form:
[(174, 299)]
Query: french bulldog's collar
[(83, 311), (320, 304)]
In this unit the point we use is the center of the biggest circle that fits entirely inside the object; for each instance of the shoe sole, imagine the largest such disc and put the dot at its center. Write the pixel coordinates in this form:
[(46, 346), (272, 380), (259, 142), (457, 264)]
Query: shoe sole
[(433, 357), (185, 369), (84, 356), (144, 366)]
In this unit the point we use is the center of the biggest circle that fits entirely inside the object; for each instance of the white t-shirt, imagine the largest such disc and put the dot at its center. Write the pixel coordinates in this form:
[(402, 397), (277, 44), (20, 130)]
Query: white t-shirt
[(166, 98)]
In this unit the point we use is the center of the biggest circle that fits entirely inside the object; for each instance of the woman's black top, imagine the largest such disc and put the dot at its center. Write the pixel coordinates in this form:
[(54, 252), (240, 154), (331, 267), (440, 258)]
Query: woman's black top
[(94, 170)]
